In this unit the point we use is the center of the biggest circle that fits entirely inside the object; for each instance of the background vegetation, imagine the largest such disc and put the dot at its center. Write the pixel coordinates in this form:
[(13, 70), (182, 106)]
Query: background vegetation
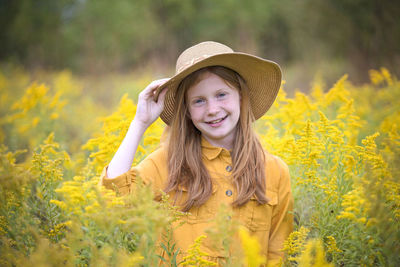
[(341, 144), (95, 36), (70, 73)]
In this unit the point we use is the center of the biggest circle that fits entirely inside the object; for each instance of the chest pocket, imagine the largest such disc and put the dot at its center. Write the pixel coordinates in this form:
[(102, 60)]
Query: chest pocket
[(205, 212), (257, 217)]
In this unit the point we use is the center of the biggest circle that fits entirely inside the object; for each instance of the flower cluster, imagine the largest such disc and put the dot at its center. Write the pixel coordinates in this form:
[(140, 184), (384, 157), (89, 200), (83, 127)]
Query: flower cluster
[(342, 145)]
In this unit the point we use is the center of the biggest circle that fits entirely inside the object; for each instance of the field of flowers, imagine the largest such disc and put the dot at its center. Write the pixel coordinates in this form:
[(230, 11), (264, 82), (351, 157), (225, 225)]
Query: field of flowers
[(57, 132)]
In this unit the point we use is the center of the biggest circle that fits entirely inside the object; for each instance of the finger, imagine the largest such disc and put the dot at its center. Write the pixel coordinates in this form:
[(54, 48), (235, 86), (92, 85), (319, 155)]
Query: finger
[(151, 89), (161, 96), (157, 83), (148, 92), (160, 89)]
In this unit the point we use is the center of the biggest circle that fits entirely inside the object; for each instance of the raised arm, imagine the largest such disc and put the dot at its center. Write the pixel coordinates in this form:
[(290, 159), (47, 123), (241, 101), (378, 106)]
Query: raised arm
[(147, 112)]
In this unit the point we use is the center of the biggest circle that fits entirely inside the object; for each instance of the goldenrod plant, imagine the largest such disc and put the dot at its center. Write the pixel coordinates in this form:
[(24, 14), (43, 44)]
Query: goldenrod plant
[(342, 145)]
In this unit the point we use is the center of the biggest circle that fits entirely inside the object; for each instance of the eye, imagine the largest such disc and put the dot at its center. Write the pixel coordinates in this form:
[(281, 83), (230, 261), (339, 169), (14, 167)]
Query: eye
[(221, 95), (198, 101)]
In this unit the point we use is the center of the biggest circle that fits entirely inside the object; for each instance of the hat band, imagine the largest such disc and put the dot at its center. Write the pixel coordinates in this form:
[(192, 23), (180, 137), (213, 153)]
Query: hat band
[(193, 61)]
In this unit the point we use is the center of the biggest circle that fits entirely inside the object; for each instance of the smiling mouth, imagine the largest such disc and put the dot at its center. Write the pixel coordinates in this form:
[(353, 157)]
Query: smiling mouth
[(217, 121)]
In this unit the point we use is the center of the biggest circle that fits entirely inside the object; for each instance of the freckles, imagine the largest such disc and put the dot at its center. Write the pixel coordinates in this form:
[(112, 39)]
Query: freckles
[(226, 102)]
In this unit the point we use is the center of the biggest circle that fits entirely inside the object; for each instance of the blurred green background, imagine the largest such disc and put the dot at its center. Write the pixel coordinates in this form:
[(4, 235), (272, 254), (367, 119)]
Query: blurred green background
[(306, 37)]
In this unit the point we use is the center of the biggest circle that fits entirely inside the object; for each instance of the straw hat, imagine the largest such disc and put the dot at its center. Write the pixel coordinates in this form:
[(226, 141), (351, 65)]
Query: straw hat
[(263, 77)]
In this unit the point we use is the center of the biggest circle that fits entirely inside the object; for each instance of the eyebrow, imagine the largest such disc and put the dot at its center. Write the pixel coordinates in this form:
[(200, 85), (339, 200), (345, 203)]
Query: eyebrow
[(218, 91)]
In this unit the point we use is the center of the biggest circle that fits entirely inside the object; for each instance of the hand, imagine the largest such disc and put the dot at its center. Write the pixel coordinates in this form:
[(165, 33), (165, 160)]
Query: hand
[(148, 110)]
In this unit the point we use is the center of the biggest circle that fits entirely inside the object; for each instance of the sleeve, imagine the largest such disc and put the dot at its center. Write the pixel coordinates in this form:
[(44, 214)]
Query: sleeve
[(282, 216), (152, 171), (122, 183)]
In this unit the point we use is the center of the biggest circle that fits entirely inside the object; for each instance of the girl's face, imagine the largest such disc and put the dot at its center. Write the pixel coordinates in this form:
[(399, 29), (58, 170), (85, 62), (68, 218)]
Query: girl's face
[(214, 109)]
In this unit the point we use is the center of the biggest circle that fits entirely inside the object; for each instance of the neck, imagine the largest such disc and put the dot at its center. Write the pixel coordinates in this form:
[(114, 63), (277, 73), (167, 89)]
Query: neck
[(227, 144)]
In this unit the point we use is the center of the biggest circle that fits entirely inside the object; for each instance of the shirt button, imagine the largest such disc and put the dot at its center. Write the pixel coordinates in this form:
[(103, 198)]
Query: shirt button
[(228, 192), (228, 168)]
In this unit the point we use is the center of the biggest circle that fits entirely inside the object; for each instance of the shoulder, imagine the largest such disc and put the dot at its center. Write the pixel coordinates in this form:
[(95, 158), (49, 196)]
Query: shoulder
[(277, 171), (159, 155), (155, 164), (280, 163), (275, 160)]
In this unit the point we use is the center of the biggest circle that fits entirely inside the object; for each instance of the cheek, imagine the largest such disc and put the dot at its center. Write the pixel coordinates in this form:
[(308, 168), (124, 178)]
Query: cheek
[(239, 104), (235, 105), (193, 114)]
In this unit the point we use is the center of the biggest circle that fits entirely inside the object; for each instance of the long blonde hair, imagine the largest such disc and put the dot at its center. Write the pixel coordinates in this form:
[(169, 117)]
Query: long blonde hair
[(185, 165)]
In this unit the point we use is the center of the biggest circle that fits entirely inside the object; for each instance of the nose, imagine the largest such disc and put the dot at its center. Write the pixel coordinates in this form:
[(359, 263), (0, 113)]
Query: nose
[(212, 107)]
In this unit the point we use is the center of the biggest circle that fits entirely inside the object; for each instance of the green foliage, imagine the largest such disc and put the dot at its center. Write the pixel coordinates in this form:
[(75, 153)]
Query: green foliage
[(99, 36), (345, 179)]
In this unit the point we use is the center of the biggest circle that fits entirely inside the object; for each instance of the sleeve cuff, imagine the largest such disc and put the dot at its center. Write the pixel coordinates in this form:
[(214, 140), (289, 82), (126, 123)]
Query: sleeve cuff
[(122, 183)]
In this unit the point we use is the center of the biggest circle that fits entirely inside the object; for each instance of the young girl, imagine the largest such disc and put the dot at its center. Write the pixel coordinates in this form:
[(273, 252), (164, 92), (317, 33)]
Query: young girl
[(212, 155)]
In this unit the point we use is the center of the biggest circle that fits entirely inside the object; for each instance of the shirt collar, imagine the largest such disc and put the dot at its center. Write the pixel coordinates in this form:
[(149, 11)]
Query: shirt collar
[(211, 152)]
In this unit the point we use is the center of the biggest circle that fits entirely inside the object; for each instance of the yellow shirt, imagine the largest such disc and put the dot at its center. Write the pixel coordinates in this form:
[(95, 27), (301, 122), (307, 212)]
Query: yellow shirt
[(271, 223)]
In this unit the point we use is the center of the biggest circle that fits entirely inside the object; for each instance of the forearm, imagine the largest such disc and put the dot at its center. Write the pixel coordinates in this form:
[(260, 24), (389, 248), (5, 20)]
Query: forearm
[(147, 111), (123, 158)]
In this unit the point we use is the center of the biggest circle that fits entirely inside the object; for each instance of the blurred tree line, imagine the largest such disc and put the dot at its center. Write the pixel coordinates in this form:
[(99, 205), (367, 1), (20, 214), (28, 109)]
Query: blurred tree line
[(96, 36)]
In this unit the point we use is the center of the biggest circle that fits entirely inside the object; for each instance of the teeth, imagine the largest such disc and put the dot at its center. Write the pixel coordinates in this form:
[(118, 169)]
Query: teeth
[(216, 121)]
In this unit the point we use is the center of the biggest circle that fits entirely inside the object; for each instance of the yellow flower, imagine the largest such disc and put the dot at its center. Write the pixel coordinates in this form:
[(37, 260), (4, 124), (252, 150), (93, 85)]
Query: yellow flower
[(313, 255), (251, 248), (195, 255), (375, 77), (294, 244), (338, 93), (379, 77), (93, 208), (35, 121), (60, 204), (34, 95), (317, 91), (121, 221), (331, 245), (54, 116)]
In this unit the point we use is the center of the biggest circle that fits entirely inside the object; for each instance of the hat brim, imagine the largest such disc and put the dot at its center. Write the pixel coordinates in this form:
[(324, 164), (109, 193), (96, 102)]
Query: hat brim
[(263, 78)]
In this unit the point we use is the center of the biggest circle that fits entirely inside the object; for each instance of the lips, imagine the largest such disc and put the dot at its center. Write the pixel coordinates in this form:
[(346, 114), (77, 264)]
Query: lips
[(217, 121)]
